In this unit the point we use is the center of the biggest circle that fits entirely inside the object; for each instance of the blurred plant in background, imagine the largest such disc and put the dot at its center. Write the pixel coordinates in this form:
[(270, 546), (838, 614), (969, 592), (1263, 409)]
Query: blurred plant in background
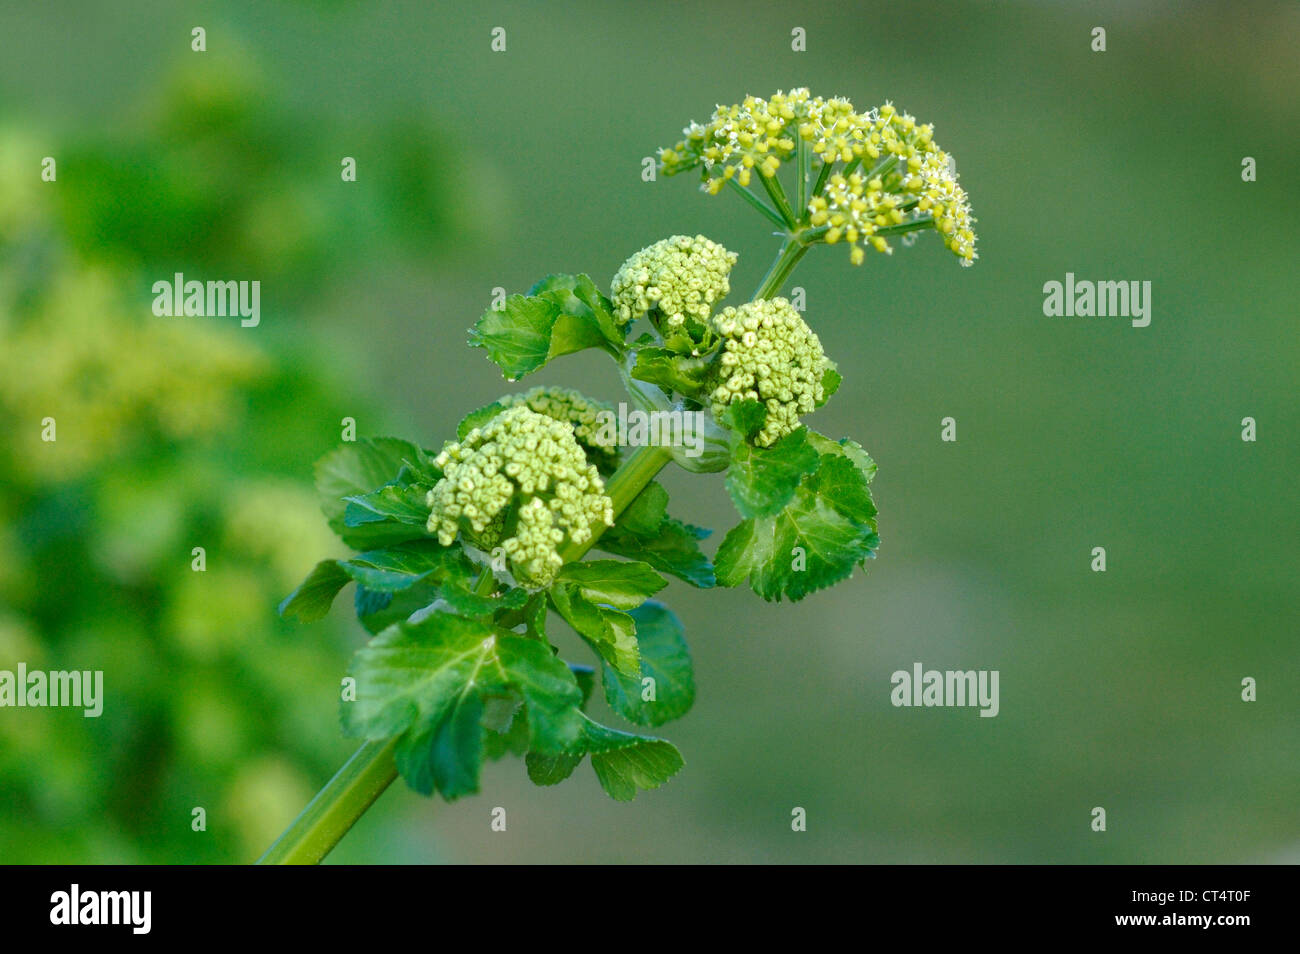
[(176, 433)]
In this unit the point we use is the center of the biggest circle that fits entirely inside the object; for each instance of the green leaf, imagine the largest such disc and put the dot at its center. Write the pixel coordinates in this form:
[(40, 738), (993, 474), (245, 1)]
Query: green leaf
[(579, 297), (671, 371), (566, 314), (460, 594), (376, 611), (617, 583), (764, 549), (645, 514), (429, 681), (551, 769), (816, 540), (674, 550), (611, 633), (405, 564), (517, 337), (809, 545), (624, 763), (745, 418), (843, 483), (395, 582), (644, 531), (533, 615), (403, 504), (762, 480), (861, 459), (586, 677), (413, 672), (831, 381), (314, 595), (445, 756), (360, 468), (666, 660), (478, 418), (845, 447), (552, 696), (507, 727), (419, 470)]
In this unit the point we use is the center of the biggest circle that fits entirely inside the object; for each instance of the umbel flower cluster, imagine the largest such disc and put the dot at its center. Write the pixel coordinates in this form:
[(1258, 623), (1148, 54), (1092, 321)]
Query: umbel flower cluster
[(760, 134), (677, 278), (769, 354), (892, 175), (574, 408), (521, 482)]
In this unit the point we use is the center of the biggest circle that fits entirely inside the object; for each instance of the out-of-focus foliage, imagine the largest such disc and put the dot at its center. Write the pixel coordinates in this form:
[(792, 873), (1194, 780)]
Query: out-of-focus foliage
[(172, 434)]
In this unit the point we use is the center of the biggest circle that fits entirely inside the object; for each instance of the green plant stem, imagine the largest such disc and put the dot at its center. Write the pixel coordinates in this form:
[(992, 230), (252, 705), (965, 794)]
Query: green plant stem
[(801, 175), (623, 486), (757, 203), (777, 195), (336, 807), (822, 176), (924, 222), (787, 258), (882, 167)]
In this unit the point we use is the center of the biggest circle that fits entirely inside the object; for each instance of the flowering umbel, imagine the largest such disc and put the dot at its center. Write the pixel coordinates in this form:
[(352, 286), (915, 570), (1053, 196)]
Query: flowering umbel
[(913, 180), (769, 354), (761, 133), (583, 414), (521, 482), (880, 173)]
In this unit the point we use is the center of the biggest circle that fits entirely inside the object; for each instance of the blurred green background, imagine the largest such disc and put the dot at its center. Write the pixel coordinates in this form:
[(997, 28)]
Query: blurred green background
[(479, 169)]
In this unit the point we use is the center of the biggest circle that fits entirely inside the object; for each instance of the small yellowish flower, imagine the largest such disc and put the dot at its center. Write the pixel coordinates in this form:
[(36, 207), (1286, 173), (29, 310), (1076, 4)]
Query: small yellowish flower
[(892, 178), (760, 134), (909, 182)]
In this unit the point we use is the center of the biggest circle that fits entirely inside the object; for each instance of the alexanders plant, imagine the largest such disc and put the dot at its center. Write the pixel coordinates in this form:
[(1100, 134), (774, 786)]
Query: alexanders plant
[(468, 553)]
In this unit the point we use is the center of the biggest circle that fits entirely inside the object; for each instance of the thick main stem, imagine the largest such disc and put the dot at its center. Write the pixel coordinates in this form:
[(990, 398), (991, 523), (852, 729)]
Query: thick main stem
[(786, 259), (336, 807), (345, 797), (623, 486)]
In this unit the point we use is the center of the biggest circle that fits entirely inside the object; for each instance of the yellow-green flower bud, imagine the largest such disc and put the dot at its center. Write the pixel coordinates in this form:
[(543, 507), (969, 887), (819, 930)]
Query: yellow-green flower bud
[(584, 414), (522, 465), (673, 280), (769, 354)]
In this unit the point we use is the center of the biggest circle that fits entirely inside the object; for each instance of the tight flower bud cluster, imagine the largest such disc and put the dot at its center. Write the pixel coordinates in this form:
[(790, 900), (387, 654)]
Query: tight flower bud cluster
[(584, 414), (527, 465), (675, 279), (769, 354)]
